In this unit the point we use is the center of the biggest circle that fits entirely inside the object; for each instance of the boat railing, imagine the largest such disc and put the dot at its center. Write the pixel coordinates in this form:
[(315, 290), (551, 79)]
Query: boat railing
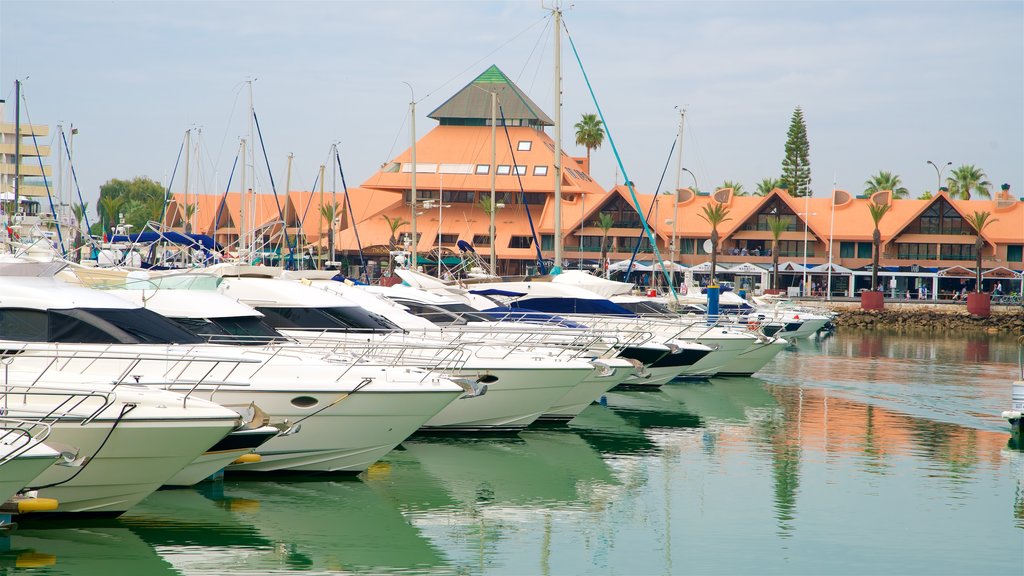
[(41, 359), (388, 349), (20, 435), (510, 338), (53, 403)]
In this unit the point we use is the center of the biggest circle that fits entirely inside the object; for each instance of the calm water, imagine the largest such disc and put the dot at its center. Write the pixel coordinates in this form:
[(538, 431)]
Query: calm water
[(855, 454)]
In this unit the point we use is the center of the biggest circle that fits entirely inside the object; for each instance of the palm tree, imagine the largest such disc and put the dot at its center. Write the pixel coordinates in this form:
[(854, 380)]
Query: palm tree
[(605, 222), (886, 181), (777, 225), (328, 213), (979, 220), (737, 188), (877, 212), (966, 178), (79, 211), (926, 195), (589, 134), (714, 215), (108, 209), (190, 210), (766, 185), (394, 224)]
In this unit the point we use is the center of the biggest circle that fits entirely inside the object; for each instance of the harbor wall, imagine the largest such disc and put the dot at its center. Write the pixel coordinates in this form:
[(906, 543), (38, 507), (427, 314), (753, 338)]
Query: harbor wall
[(938, 317)]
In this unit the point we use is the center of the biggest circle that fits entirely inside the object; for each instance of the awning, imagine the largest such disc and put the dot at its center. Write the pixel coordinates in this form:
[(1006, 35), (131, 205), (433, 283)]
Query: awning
[(835, 269)]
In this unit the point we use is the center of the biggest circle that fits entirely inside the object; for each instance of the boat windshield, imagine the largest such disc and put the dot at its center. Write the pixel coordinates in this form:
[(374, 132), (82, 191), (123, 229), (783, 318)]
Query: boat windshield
[(645, 307), (334, 319), (465, 311), (238, 330), (92, 326), (434, 314)]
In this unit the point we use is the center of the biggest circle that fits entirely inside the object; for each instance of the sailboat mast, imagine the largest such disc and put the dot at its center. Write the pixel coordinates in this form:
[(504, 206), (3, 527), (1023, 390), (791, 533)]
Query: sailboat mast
[(414, 264), (675, 195), (188, 156), (242, 214), (558, 136), (17, 144), (494, 168), (252, 212), (287, 195), (320, 245)]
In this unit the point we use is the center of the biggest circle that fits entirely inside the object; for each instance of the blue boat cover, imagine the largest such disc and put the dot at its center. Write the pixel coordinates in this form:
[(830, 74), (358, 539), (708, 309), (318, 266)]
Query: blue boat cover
[(557, 305), (497, 292), (506, 314), (173, 237)]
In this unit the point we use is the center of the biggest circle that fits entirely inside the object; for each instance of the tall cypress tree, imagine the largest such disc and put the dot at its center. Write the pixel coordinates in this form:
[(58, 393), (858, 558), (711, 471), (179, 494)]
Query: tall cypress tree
[(796, 165)]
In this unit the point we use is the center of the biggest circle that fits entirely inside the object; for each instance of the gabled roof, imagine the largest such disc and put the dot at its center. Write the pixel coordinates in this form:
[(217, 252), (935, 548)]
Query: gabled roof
[(745, 212), (925, 204), (474, 101)]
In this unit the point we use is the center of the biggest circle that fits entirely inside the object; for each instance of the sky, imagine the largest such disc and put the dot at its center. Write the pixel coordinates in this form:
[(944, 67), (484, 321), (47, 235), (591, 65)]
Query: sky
[(883, 85)]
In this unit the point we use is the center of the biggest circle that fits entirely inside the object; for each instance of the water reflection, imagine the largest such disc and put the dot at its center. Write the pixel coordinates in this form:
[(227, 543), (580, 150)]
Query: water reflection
[(81, 548), (880, 443)]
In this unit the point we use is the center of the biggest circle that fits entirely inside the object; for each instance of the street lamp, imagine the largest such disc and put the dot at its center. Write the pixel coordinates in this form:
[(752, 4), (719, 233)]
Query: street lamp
[(430, 204), (695, 187), (939, 172)]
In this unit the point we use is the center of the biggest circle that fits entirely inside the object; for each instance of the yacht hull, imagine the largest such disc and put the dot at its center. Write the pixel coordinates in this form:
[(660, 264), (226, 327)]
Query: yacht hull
[(126, 462), (515, 398), (588, 391), (340, 432), (232, 447), (18, 472), (754, 358)]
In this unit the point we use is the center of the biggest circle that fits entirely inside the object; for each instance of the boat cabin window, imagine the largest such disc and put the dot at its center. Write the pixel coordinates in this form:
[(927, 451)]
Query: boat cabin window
[(92, 326), (238, 330), (645, 307), (434, 314), (341, 319), (23, 325), (465, 311)]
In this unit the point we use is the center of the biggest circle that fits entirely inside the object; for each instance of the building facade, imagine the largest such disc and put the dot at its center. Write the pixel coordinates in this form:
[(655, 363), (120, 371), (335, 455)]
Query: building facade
[(33, 162), (924, 243)]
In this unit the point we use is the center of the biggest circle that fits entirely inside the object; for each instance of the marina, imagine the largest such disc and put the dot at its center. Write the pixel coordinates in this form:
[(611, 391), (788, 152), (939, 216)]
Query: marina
[(485, 352), (797, 471)]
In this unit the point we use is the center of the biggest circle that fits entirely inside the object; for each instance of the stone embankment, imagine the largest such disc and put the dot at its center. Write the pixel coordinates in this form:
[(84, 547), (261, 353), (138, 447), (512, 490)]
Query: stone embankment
[(929, 318)]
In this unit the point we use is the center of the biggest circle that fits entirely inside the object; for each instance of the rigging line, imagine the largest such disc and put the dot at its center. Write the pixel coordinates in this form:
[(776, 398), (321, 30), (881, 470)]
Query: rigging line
[(167, 192), (224, 198), (657, 195), (398, 134), (227, 127), (618, 160), (39, 157), (355, 228), (522, 195), (74, 177), (485, 56), (273, 187), (543, 36), (312, 193), (536, 71)]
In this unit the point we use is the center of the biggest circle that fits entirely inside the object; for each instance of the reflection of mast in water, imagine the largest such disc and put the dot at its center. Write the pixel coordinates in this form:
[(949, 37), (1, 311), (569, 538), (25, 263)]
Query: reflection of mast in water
[(784, 443)]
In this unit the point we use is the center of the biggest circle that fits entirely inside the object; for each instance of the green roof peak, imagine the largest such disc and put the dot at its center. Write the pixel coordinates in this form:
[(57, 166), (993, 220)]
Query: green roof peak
[(471, 106), (492, 75)]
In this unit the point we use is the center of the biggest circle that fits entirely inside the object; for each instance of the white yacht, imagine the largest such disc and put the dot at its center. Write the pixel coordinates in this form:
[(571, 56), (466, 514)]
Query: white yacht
[(520, 387), (434, 316), (350, 414), (662, 360), (119, 442)]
